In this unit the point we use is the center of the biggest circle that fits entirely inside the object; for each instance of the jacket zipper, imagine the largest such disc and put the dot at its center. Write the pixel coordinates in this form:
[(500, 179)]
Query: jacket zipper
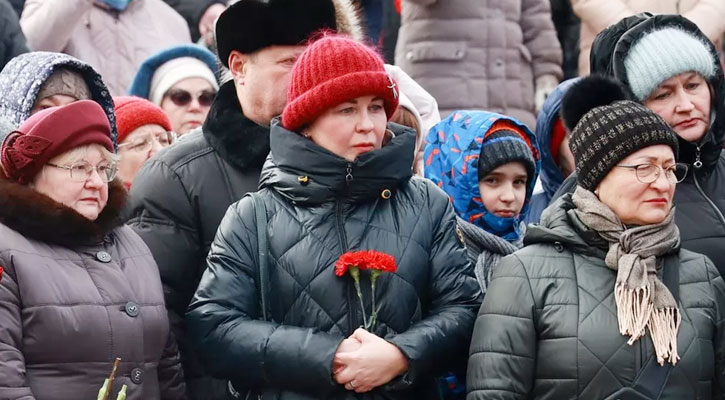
[(698, 164), (342, 237)]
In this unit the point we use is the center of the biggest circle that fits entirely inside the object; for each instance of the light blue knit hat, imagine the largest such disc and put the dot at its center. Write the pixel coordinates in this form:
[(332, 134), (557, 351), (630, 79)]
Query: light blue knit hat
[(662, 54)]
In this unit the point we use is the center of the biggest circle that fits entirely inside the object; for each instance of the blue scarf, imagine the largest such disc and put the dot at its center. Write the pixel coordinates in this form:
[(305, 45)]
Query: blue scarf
[(118, 5)]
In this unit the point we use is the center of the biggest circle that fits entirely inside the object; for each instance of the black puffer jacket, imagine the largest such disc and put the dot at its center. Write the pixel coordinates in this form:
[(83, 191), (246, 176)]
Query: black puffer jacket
[(427, 306), (12, 40), (179, 198), (548, 327), (700, 199)]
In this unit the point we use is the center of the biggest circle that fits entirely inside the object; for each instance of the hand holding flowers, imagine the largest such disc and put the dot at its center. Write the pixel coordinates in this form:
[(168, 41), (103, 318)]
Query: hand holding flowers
[(365, 361)]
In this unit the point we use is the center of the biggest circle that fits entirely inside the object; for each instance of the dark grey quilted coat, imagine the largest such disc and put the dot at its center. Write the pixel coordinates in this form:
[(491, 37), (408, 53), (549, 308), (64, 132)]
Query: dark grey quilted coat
[(548, 326), (428, 305)]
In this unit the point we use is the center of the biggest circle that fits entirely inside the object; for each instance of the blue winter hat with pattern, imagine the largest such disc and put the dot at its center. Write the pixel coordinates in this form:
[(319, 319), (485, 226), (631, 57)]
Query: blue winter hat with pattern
[(452, 160)]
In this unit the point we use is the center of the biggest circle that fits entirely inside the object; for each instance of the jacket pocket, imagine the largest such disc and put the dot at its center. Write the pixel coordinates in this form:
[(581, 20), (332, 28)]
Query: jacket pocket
[(436, 51)]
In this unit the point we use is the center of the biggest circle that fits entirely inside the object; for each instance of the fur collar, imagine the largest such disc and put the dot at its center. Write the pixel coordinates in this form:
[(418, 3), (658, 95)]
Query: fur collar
[(237, 139), (37, 216)]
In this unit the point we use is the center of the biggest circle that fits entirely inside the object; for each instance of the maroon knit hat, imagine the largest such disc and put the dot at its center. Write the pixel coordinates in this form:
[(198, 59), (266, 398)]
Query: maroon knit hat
[(133, 112), (52, 132), (330, 71)]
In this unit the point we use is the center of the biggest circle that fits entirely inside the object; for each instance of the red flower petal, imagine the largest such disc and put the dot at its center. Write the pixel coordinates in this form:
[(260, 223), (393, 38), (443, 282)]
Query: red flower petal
[(365, 259)]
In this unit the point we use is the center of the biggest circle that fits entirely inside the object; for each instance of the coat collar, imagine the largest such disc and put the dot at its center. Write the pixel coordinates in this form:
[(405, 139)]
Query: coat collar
[(304, 172), (37, 216), (237, 139)]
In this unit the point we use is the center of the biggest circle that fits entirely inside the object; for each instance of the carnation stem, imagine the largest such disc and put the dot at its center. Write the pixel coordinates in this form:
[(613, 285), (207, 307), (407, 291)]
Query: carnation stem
[(374, 317), (355, 273)]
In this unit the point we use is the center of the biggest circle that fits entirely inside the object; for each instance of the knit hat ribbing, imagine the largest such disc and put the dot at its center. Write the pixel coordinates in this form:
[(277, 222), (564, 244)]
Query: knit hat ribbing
[(607, 134), (662, 54), (133, 112), (330, 71), (502, 144)]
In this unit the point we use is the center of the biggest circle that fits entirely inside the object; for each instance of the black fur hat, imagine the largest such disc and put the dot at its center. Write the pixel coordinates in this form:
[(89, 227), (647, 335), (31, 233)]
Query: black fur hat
[(250, 25), (606, 128)]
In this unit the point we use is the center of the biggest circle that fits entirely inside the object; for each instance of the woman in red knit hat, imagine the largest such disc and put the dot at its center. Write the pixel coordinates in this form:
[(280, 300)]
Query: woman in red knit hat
[(338, 180), (79, 288), (143, 130)]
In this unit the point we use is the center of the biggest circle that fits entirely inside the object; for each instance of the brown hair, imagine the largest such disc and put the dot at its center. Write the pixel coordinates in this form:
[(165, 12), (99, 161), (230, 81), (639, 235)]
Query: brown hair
[(403, 116)]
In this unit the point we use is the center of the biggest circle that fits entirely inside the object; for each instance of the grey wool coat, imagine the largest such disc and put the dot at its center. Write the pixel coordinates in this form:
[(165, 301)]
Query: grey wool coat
[(479, 54), (74, 295)]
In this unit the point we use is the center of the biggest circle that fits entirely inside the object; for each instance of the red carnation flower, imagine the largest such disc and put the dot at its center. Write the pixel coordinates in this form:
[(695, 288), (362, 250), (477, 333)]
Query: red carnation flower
[(377, 262)]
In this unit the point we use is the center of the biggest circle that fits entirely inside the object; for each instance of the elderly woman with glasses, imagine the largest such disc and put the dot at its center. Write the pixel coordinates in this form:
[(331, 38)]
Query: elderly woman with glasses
[(182, 81), (143, 130), (603, 303), (77, 289)]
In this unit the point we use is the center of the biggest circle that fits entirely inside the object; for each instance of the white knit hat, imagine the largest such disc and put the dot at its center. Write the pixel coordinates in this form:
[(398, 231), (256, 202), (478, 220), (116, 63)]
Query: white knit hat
[(175, 70), (662, 54)]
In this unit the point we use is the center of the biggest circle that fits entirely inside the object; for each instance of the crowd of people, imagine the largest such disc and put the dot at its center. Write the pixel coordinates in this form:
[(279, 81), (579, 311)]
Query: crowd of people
[(275, 212)]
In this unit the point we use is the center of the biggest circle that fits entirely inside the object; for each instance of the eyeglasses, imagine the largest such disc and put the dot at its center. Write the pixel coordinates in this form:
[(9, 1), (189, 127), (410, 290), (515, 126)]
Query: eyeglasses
[(81, 171), (146, 142), (648, 173), (181, 97)]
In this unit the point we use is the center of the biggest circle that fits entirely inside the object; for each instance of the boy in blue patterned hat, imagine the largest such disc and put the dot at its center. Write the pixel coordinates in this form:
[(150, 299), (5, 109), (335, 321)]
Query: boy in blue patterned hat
[(488, 164)]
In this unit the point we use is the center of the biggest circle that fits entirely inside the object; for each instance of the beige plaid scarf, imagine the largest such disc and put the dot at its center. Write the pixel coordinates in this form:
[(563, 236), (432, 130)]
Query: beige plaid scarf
[(643, 301)]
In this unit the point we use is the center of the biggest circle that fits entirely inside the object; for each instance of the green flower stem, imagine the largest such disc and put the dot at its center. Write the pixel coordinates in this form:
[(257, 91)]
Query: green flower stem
[(355, 273), (374, 274)]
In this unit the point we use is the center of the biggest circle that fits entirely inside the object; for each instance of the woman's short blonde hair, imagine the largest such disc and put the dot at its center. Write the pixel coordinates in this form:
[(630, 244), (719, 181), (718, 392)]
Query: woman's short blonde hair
[(80, 152)]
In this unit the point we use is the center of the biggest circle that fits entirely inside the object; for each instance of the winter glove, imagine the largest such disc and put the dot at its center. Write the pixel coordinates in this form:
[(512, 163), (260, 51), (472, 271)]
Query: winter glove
[(545, 84)]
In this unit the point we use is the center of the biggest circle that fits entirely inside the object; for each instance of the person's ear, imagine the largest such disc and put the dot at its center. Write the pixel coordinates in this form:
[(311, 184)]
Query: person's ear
[(238, 65)]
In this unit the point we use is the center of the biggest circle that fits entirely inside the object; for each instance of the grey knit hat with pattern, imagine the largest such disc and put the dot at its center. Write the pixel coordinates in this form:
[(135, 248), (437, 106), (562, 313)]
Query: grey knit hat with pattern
[(607, 133)]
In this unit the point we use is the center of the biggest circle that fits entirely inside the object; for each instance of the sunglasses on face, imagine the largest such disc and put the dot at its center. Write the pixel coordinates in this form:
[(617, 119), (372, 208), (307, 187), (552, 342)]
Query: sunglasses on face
[(181, 97)]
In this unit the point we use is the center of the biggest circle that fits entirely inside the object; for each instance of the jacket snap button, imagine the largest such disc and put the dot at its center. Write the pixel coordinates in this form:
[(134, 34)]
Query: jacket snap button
[(409, 56), (386, 194), (558, 247), (103, 257), (131, 309), (304, 180), (137, 376)]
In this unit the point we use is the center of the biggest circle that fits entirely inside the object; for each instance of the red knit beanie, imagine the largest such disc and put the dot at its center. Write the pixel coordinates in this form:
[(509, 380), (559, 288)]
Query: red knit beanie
[(332, 70), (52, 132), (134, 112)]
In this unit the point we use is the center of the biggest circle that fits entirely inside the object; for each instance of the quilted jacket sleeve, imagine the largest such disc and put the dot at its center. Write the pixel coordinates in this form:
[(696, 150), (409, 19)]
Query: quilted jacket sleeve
[(223, 320), (454, 297), (540, 38), (503, 349), (718, 287), (162, 214), (49, 24), (12, 361)]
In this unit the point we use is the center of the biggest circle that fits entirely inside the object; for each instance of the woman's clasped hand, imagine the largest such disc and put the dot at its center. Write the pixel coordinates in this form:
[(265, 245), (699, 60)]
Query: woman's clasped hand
[(365, 361)]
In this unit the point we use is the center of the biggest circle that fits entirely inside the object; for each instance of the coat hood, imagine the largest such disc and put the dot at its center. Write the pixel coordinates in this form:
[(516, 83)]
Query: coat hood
[(451, 161), (37, 216), (607, 58), (551, 176), (306, 173), (23, 77)]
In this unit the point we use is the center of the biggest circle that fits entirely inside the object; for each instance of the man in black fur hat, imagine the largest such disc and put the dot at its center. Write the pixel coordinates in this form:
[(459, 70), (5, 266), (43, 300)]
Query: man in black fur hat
[(180, 196)]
